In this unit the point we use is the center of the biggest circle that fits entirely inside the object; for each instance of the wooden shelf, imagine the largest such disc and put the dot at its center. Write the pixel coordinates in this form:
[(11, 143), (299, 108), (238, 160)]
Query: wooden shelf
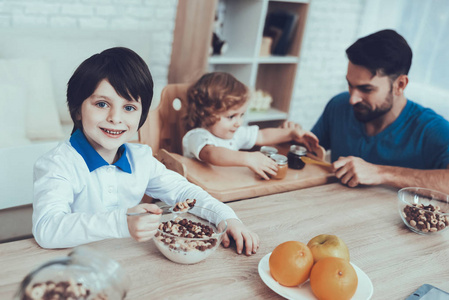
[(223, 59), (243, 27), (273, 59), (272, 114)]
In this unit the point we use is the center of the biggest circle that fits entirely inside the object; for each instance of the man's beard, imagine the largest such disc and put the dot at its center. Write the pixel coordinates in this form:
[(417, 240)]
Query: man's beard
[(365, 114)]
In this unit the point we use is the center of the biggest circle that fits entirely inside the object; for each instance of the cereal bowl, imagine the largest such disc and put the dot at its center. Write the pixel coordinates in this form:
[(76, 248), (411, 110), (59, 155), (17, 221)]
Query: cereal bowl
[(424, 211), (186, 238)]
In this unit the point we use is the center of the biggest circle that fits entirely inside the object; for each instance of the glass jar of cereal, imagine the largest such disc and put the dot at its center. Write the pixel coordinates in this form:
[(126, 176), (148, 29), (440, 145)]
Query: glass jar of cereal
[(83, 274)]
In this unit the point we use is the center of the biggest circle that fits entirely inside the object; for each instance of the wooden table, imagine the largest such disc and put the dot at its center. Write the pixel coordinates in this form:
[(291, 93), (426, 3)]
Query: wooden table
[(397, 260), (236, 183)]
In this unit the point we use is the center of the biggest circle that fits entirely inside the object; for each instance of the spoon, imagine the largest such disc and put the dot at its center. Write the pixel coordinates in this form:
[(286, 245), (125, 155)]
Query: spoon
[(309, 160), (179, 207), (165, 210)]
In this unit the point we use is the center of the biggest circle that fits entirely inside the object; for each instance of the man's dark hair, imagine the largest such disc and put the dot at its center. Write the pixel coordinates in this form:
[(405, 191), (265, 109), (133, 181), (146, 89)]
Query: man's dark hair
[(124, 69), (385, 53)]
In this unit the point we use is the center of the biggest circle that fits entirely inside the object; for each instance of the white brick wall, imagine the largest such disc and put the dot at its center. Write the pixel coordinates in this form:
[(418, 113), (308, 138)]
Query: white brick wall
[(157, 17), (331, 27)]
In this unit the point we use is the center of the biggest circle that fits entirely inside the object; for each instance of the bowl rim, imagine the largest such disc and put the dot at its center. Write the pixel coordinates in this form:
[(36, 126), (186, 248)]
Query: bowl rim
[(217, 236), (403, 203), (406, 189)]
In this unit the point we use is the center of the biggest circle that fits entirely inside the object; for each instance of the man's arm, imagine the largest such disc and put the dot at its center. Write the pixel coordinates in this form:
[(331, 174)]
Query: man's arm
[(353, 171), (404, 177)]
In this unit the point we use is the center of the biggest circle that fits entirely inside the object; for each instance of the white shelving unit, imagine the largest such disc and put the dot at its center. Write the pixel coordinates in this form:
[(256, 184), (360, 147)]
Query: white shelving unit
[(243, 28)]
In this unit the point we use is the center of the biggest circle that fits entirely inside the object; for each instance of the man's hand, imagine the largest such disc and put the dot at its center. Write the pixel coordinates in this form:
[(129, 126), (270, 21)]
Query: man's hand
[(241, 235), (260, 164), (353, 171), (143, 228), (306, 138)]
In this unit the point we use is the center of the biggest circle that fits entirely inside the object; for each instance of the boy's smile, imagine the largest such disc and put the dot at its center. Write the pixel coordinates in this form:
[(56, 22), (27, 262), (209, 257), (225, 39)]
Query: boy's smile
[(109, 120)]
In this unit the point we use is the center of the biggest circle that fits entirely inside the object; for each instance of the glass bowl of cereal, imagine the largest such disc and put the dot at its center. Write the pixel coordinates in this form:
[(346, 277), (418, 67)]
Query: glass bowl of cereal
[(424, 211), (186, 238)]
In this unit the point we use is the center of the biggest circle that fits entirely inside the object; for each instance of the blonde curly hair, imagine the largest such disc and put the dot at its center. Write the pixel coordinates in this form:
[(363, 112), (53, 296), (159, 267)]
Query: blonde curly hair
[(212, 94)]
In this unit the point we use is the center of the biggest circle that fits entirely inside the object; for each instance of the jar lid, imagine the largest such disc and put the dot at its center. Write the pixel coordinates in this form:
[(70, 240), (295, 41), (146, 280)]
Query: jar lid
[(299, 150), (267, 150), (279, 159)]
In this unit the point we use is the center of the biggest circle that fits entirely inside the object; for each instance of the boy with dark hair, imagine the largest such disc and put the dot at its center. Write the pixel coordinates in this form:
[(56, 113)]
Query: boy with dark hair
[(376, 135), (85, 188)]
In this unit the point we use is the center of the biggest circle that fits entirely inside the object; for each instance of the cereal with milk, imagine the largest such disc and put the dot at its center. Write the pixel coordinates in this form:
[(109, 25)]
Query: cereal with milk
[(185, 241)]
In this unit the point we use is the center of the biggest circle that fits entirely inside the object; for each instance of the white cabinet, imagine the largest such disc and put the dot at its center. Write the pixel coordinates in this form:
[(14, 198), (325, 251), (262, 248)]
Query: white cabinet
[(243, 28)]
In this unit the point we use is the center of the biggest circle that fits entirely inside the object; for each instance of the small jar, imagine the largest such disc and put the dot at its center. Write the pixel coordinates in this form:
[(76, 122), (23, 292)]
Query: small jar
[(268, 151), (83, 274), (281, 161), (294, 157)]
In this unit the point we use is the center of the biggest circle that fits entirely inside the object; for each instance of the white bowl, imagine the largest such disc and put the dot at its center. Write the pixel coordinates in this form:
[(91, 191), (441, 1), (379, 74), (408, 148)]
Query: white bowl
[(188, 250)]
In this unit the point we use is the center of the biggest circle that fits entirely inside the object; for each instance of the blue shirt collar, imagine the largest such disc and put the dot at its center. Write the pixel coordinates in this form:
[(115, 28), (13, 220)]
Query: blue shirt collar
[(92, 158)]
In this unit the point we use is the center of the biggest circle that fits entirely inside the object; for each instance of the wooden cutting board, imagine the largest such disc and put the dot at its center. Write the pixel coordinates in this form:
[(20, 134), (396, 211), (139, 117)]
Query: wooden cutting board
[(235, 183)]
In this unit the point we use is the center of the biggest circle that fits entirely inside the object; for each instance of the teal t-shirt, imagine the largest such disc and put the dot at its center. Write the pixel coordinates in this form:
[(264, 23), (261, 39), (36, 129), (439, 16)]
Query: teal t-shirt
[(418, 138)]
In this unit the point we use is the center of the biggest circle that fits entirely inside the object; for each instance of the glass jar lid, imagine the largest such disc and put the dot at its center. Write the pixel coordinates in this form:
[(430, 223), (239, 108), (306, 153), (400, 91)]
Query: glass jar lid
[(268, 150), (279, 159), (298, 150)]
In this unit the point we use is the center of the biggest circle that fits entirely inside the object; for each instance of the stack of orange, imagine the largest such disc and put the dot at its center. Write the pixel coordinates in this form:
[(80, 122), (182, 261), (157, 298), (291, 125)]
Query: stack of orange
[(331, 277)]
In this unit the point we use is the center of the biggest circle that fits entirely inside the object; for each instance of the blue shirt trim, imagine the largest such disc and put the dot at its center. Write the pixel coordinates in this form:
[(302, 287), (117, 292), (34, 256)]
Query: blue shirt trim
[(92, 158)]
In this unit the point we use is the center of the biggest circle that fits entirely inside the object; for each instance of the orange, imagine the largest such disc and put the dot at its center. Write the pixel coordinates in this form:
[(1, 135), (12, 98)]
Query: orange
[(333, 278), (290, 263)]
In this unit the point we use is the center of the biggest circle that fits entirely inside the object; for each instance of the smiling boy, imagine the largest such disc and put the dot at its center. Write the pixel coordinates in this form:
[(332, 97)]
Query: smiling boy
[(376, 135), (84, 188)]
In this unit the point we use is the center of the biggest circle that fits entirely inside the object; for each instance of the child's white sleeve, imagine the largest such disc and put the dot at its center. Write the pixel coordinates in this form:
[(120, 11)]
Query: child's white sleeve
[(246, 136), (171, 187), (194, 141), (54, 223)]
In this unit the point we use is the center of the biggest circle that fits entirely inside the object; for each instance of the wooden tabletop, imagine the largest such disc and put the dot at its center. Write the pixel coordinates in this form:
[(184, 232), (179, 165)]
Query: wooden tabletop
[(397, 260), (236, 183)]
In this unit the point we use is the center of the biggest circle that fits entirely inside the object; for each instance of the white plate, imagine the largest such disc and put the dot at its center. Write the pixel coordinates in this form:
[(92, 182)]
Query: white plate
[(364, 288)]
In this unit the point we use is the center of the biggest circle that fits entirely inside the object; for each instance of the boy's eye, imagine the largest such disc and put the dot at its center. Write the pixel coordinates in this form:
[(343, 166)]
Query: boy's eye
[(130, 108), (102, 104), (231, 117)]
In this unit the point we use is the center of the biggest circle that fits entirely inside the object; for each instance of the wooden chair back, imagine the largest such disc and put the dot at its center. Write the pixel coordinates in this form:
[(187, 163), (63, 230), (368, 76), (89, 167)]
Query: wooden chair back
[(165, 126)]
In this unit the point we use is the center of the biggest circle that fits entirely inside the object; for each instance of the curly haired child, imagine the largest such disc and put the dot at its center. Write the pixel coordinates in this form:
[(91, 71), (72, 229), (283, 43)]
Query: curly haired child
[(217, 104)]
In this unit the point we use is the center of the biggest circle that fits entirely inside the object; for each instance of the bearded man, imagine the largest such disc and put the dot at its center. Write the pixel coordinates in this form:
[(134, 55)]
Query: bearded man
[(375, 134)]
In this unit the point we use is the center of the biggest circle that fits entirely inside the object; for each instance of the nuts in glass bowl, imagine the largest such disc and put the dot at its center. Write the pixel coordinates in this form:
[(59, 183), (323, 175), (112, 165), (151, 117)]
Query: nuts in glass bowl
[(186, 238), (424, 211)]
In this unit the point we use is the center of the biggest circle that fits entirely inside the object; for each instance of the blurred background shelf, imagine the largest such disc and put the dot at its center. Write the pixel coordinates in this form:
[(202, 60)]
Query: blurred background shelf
[(244, 22), (271, 114)]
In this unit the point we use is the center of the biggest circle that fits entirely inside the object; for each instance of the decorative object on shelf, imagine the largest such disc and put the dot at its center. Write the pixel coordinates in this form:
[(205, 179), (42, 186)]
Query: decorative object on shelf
[(260, 101), (265, 48), (247, 57), (280, 26), (219, 46)]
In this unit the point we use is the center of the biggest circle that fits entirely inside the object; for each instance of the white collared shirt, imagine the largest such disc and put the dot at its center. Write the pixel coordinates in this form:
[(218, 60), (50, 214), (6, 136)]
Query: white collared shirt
[(74, 206)]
